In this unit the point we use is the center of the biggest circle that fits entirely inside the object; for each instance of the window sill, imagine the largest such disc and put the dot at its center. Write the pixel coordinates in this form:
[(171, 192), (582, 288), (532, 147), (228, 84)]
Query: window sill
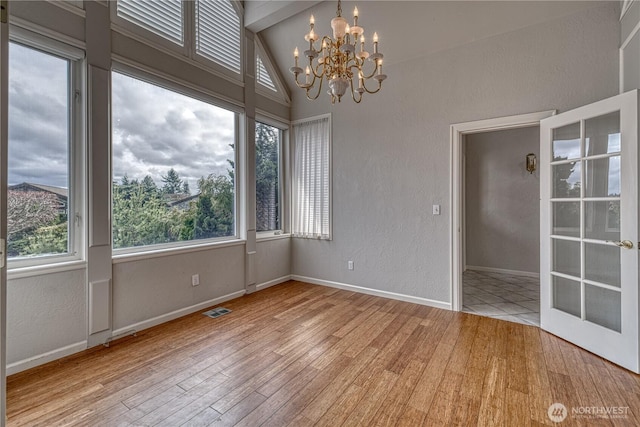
[(265, 236), (164, 252), (41, 270)]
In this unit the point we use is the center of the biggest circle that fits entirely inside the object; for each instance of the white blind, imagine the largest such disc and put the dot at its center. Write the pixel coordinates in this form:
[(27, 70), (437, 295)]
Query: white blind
[(262, 75), (218, 33), (311, 179), (163, 18)]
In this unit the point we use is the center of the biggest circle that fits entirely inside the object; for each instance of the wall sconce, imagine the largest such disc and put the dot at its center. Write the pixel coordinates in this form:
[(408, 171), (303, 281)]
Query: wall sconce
[(531, 162)]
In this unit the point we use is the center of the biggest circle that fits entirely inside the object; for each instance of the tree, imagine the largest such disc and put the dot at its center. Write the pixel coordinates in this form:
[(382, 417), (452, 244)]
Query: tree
[(27, 211), (212, 215), (267, 142), (149, 186), (143, 218), (51, 239), (172, 182)]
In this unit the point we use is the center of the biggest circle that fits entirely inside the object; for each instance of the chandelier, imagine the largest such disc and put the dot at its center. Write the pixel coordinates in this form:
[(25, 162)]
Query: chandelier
[(339, 60)]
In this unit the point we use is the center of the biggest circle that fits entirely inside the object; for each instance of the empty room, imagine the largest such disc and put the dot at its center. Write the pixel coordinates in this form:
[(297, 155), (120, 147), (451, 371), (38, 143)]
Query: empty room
[(319, 213)]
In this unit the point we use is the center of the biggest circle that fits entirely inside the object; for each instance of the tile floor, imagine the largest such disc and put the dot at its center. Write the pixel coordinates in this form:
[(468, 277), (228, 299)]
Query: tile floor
[(502, 296)]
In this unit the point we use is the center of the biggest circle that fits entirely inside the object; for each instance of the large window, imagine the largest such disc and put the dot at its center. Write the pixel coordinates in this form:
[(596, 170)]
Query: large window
[(43, 198), (173, 166), (268, 180), (311, 195)]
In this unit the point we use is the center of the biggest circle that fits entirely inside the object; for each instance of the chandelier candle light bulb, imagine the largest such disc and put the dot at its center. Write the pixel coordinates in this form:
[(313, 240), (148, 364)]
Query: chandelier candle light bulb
[(338, 62)]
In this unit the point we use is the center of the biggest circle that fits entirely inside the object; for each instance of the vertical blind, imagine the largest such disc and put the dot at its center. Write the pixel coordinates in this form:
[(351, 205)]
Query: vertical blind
[(163, 18), (218, 33), (311, 201)]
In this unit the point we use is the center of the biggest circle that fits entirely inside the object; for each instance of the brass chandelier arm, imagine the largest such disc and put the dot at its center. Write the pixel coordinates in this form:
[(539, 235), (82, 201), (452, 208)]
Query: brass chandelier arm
[(364, 86), (353, 94), (317, 93), (373, 73)]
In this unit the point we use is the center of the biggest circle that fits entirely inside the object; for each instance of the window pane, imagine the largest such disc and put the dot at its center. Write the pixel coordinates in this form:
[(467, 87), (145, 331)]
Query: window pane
[(602, 134), (267, 178), (566, 180), (566, 295), (566, 257), (173, 166), (604, 307), (566, 142), (38, 160), (603, 177)]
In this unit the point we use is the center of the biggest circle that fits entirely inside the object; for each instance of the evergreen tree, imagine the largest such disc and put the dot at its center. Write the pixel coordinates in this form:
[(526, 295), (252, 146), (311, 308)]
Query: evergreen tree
[(267, 202), (172, 182)]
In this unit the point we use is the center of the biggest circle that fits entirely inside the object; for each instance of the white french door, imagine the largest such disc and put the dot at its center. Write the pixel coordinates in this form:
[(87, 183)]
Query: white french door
[(589, 228)]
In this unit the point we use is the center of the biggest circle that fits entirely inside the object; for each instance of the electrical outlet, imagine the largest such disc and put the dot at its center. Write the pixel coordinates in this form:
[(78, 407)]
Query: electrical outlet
[(195, 280), (350, 265), (436, 209)]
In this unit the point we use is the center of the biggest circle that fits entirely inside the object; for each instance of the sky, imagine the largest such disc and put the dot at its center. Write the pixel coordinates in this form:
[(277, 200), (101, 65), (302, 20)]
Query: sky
[(38, 104), (154, 129)]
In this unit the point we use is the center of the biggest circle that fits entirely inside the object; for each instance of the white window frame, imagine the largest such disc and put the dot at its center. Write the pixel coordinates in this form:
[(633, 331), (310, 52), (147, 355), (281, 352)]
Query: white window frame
[(186, 51), (283, 177), (76, 207), (186, 245)]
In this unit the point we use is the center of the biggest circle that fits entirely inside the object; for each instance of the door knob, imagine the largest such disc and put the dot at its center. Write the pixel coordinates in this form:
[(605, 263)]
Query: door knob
[(627, 244)]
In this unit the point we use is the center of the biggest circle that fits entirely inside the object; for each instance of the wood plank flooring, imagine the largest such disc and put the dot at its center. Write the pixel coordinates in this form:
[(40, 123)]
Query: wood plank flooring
[(303, 355)]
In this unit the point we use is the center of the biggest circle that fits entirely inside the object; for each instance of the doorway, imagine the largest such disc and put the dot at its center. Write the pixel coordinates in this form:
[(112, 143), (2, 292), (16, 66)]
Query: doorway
[(492, 280), (501, 225)]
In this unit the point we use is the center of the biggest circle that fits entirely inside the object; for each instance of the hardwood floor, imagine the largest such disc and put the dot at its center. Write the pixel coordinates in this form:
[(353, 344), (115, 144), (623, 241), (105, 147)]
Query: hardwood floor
[(298, 354)]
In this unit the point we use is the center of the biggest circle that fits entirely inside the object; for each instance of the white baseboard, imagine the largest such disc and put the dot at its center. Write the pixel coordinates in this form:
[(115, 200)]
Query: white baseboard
[(503, 271), (146, 324), (273, 282), (374, 292), (41, 359)]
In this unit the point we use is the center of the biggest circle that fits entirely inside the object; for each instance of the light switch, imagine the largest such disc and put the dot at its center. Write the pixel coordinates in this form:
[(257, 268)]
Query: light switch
[(436, 209)]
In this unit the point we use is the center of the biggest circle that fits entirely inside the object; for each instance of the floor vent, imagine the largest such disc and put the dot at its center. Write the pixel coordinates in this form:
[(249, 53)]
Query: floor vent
[(217, 312)]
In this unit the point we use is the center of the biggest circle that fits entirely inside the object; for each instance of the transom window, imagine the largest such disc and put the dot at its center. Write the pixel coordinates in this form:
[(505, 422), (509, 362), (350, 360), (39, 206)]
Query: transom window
[(173, 166), (208, 31)]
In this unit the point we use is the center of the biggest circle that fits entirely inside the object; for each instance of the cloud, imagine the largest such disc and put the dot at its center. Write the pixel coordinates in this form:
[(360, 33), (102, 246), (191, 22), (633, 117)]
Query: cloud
[(155, 129), (38, 117)]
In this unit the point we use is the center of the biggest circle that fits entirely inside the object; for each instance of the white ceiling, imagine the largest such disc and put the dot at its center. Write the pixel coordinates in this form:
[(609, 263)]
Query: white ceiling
[(407, 29)]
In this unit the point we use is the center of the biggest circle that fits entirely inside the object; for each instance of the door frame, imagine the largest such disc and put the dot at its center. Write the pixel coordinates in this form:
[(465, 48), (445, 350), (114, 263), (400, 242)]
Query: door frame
[(457, 133)]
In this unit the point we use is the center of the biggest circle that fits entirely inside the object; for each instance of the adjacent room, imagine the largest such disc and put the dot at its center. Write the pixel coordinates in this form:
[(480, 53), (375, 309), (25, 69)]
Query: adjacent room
[(278, 212)]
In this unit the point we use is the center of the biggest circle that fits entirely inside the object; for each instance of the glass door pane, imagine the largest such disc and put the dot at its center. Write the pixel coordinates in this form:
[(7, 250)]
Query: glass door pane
[(585, 216)]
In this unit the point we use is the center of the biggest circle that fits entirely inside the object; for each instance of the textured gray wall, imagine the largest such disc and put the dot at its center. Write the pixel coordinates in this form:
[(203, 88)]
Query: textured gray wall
[(391, 154), (502, 201)]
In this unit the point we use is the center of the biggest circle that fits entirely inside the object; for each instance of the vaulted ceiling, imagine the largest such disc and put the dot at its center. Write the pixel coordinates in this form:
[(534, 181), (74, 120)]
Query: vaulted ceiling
[(407, 29)]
